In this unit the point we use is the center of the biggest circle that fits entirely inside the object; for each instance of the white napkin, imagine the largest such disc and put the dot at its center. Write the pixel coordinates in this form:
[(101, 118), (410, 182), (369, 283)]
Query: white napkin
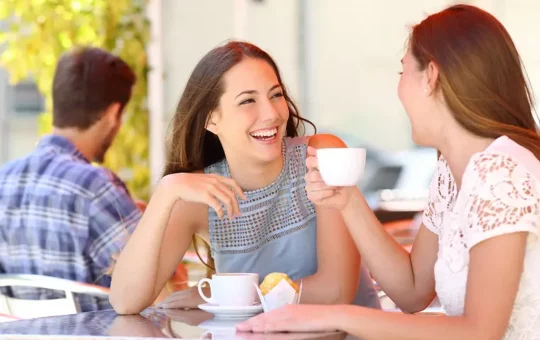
[(282, 294)]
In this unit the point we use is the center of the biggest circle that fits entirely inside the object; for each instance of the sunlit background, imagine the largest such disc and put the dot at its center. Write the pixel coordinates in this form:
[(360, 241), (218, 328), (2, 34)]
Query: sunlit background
[(339, 58)]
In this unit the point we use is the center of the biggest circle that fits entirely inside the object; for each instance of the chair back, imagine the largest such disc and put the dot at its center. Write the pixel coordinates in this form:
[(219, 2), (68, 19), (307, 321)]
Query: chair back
[(25, 309)]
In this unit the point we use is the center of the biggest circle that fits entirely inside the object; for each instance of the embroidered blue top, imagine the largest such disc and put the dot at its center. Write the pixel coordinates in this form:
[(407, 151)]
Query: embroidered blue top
[(277, 231)]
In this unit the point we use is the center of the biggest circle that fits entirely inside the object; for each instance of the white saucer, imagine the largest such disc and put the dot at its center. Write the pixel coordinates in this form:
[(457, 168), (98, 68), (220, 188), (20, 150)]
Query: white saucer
[(232, 312)]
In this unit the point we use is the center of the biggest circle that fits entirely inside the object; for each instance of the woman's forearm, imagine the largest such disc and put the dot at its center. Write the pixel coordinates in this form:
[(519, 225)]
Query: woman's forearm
[(317, 290), (134, 276), (388, 262), (367, 323)]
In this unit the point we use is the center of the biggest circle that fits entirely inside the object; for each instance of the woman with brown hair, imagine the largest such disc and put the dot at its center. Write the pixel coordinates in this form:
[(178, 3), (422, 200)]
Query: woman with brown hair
[(478, 250), (235, 176)]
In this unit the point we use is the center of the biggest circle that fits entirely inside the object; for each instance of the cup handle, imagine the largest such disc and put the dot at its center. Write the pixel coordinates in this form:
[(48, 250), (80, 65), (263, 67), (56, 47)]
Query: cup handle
[(201, 293)]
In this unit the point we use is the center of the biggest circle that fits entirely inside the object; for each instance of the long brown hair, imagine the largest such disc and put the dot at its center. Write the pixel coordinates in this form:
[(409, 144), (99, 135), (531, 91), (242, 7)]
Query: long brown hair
[(190, 146), (480, 73)]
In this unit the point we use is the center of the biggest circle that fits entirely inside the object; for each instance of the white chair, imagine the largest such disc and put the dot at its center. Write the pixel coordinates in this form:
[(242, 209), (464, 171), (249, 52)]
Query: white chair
[(25, 309)]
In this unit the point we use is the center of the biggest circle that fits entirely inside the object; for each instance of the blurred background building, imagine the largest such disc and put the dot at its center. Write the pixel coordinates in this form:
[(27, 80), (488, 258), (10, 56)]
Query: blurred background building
[(339, 58)]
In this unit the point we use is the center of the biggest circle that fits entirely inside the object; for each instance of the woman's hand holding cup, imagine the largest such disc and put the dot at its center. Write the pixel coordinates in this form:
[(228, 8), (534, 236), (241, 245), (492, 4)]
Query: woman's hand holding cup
[(333, 196)]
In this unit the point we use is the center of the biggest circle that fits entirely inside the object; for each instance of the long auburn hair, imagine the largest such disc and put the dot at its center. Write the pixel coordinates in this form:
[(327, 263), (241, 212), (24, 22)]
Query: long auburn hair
[(480, 73), (190, 146)]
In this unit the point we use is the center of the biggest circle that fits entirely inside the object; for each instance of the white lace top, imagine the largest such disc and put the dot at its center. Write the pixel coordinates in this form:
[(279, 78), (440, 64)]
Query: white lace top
[(500, 194)]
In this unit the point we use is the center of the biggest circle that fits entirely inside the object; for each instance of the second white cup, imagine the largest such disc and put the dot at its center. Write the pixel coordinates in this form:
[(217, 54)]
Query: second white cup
[(341, 166), (231, 289)]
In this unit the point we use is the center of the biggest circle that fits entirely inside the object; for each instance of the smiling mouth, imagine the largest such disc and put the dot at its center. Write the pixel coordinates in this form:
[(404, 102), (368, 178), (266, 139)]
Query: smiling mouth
[(265, 135)]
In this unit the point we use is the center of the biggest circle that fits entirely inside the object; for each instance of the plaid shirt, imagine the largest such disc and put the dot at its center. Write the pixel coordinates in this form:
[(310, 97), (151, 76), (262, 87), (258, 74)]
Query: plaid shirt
[(60, 216)]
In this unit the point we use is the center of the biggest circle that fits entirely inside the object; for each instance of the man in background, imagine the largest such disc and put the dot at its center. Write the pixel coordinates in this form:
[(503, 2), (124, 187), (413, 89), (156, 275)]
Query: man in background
[(61, 216)]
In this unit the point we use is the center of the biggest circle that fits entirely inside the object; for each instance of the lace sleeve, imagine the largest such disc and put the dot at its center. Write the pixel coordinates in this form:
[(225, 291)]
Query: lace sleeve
[(441, 198), (503, 198)]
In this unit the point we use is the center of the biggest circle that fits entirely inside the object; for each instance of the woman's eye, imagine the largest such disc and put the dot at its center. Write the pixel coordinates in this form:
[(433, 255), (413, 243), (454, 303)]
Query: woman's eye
[(247, 101), (277, 95)]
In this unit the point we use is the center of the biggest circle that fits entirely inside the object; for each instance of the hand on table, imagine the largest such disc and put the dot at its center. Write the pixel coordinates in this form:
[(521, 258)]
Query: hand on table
[(187, 298), (291, 318)]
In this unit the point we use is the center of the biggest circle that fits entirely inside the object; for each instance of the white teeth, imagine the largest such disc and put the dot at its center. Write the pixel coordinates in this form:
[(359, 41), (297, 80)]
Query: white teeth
[(264, 133)]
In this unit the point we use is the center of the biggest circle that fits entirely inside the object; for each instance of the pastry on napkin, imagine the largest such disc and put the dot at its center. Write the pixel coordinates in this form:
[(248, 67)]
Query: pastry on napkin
[(278, 290)]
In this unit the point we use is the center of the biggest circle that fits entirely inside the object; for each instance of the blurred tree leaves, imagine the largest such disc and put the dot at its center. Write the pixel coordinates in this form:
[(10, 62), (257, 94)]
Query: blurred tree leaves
[(39, 31)]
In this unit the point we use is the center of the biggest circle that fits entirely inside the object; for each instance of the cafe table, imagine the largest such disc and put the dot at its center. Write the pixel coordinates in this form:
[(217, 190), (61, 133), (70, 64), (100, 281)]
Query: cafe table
[(152, 323)]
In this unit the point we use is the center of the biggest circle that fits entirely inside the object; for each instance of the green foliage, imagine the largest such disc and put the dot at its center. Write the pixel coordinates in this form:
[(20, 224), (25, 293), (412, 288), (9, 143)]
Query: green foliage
[(39, 31)]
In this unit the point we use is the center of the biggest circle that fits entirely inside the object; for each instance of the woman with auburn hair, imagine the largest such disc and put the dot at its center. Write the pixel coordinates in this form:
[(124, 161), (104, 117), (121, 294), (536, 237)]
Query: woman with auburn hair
[(235, 176), (478, 249)]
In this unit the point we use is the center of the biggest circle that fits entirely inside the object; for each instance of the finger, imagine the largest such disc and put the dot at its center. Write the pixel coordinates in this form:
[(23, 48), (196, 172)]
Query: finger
[(311, 162), (171, 305), (313, 176), (321, 195), (247, 326), (244, 326), (231, 183), (311, 151), (266, 322), (233, 198), (214, 204), (318, 186), (225, 195), (265, 327), (173, 301), (255, 326), (174, 298), (164, 303)]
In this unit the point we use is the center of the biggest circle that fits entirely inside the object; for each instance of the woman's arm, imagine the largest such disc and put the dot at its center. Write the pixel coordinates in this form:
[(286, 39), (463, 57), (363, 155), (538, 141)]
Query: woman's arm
[(153, 252), (338, 260), (158, 244), (494, 277), (336, 280), (493, 281), (407, 278)]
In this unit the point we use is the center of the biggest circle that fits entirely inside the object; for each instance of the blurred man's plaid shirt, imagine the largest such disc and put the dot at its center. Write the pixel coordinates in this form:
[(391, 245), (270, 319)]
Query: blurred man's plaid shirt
[(60, 216)]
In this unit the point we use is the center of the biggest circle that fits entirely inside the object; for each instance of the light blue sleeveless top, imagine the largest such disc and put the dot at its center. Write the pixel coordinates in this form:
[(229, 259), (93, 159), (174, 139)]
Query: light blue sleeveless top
[(277, 231)]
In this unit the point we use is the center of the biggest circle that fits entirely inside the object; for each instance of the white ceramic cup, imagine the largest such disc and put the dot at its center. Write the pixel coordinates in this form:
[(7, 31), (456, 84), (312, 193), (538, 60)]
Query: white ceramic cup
[(341, 167), (231, 289)]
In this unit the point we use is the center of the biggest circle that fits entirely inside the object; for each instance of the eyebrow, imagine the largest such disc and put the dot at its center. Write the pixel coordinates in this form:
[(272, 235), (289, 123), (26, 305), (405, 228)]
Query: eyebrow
[(253, 91)]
